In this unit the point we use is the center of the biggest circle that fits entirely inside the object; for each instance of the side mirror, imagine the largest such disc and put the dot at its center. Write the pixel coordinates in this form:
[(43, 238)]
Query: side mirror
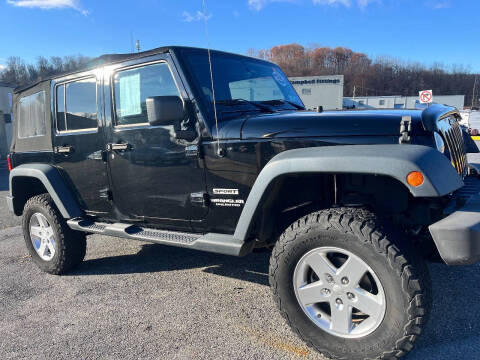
[(165, 110)]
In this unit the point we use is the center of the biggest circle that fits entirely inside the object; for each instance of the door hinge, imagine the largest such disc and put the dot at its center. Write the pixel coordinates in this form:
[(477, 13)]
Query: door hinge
[(192, 151), (104, 155), (199, 198), (106, 194)]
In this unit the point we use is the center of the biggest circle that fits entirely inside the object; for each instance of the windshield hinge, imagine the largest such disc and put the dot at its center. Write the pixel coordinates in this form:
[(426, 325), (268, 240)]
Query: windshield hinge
[(405, 129)]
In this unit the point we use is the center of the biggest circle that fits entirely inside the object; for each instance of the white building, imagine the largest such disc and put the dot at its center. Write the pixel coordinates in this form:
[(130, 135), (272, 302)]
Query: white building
[(6, 98), (315, 91), (6, 93), (400, 102)]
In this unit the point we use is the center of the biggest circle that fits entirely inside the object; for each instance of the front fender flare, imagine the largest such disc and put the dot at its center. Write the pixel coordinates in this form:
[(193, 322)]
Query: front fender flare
[(53, 183), (396, 161)]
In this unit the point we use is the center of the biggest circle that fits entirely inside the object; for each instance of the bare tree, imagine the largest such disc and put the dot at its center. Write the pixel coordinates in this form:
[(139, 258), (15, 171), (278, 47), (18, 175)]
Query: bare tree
[(381, 76), (17, 72)]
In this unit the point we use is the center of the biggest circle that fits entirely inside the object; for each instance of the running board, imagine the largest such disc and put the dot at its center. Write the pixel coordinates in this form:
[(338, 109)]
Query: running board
[(211, 242)]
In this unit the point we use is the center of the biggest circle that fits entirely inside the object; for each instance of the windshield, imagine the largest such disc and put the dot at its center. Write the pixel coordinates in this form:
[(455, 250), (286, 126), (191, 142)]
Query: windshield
[(241, 84)]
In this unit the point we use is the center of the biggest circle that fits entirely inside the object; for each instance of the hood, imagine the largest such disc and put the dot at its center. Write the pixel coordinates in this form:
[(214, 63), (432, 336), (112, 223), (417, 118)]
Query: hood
[(325, 124)]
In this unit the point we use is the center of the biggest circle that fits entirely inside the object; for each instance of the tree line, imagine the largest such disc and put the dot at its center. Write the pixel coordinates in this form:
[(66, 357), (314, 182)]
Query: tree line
[(363, 76), (17, 72), (371, 77)]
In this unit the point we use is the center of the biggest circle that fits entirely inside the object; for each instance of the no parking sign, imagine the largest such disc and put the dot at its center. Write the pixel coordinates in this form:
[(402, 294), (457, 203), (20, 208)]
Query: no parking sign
[(426, 96)]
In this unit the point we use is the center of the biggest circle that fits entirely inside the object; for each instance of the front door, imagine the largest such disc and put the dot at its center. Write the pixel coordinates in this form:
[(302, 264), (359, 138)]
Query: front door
[(153, 176), (79, 141)]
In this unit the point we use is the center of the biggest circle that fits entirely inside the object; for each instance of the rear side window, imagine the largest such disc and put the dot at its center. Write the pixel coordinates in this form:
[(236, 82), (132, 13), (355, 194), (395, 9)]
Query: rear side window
[(31, 116), (77, 105), (134, 86)]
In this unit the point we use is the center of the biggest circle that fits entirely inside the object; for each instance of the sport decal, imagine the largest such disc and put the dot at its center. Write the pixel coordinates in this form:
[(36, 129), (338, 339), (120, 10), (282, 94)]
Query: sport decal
[(225, 191)]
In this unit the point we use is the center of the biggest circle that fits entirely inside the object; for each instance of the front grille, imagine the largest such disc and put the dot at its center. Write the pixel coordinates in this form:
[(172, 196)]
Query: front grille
[(456, 147)]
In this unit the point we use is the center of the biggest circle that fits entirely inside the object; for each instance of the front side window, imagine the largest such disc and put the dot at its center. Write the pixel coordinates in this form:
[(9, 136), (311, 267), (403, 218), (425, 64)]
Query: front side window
[(77, 105), (31, 116), (134, 86)]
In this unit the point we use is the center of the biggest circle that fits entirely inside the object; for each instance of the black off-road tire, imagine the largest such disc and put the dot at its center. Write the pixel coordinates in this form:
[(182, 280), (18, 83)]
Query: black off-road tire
[(401, 270), (70, 245)]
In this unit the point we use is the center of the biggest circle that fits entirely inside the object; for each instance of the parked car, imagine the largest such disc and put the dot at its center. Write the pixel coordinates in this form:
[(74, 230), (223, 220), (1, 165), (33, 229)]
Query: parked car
[(353, 203)]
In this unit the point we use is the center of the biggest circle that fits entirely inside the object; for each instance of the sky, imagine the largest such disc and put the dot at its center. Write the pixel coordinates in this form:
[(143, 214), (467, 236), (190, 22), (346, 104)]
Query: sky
[(425, 31)]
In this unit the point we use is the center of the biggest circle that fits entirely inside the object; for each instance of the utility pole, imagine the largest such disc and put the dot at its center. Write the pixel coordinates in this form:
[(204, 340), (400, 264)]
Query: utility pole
[(138, 45), (354, 88), (473, 92)]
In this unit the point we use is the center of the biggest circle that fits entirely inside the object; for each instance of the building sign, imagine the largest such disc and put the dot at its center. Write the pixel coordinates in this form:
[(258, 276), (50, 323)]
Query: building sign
[(320, 90), (315, 81)]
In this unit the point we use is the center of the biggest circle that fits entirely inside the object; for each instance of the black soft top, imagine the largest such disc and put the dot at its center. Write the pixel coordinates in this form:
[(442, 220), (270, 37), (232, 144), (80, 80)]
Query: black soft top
[(109, 59), (103, 60)]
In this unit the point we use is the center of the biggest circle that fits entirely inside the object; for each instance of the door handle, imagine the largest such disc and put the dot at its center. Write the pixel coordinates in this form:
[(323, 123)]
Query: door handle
[(64, 149), (119, 147)]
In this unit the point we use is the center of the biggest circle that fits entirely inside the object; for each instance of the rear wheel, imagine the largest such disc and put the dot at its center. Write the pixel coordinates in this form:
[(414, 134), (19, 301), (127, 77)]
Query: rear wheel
[(54, 247), (347, 287)]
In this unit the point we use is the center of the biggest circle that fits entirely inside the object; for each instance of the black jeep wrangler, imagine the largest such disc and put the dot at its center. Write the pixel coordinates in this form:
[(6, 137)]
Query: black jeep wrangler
[(216, 152)]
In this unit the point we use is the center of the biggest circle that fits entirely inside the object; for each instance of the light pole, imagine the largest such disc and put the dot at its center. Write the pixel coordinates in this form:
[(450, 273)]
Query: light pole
[(473, 92)]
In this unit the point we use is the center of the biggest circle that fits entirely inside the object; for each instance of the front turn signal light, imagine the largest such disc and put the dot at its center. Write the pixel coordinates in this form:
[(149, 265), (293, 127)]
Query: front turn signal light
[(415, 178)]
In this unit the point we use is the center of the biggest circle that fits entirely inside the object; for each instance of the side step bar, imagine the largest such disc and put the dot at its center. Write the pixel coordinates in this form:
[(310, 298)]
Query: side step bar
[(211, 242)]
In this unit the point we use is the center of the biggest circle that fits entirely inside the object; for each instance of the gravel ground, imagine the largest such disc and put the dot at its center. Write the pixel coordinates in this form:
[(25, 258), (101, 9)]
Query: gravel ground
[(135, 300)]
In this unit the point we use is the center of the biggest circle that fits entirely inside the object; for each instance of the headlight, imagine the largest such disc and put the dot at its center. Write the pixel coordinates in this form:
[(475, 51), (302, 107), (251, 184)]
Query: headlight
[(439, 142)]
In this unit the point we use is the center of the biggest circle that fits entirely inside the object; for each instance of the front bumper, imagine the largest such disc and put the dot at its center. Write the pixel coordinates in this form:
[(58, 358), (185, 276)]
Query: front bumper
[(457, 236)]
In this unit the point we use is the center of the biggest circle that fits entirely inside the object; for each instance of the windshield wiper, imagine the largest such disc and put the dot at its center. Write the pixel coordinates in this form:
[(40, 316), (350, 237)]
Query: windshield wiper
[(282, 101), (234, 102)]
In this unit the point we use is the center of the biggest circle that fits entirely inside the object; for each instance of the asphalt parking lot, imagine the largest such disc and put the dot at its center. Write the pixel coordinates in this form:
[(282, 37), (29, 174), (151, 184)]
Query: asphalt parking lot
[(134, 300)]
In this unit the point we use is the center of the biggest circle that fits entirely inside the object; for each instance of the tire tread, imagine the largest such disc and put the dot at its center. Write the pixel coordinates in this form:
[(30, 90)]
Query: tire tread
[(71, 245), (367, 228)]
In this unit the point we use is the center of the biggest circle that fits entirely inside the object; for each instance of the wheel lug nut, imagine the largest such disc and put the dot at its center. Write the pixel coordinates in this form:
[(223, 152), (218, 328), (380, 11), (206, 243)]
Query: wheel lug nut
[(345, 280), (329, 278), (325, 292), (339, 302), (350, 296)]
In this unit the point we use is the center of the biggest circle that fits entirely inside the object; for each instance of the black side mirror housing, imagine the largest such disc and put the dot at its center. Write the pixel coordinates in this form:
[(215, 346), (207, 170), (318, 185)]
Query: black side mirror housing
[(165, 110)]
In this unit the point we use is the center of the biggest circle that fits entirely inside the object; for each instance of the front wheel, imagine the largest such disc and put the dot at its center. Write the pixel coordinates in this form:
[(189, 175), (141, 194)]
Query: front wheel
[(347, 288)]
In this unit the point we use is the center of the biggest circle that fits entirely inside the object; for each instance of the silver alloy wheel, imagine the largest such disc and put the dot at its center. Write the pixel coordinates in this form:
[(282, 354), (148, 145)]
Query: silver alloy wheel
[(42, 236), (346, 301)]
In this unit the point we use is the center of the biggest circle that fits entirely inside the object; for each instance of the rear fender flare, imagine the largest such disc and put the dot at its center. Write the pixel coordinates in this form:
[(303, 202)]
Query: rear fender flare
[(51, 179)]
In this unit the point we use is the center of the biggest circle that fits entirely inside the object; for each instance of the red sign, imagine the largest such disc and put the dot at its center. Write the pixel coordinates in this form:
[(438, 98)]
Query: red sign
[(426, 96)]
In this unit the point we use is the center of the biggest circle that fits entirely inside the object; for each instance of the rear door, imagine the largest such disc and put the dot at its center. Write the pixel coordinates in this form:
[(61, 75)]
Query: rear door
[(156, 178), (79, 140)]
